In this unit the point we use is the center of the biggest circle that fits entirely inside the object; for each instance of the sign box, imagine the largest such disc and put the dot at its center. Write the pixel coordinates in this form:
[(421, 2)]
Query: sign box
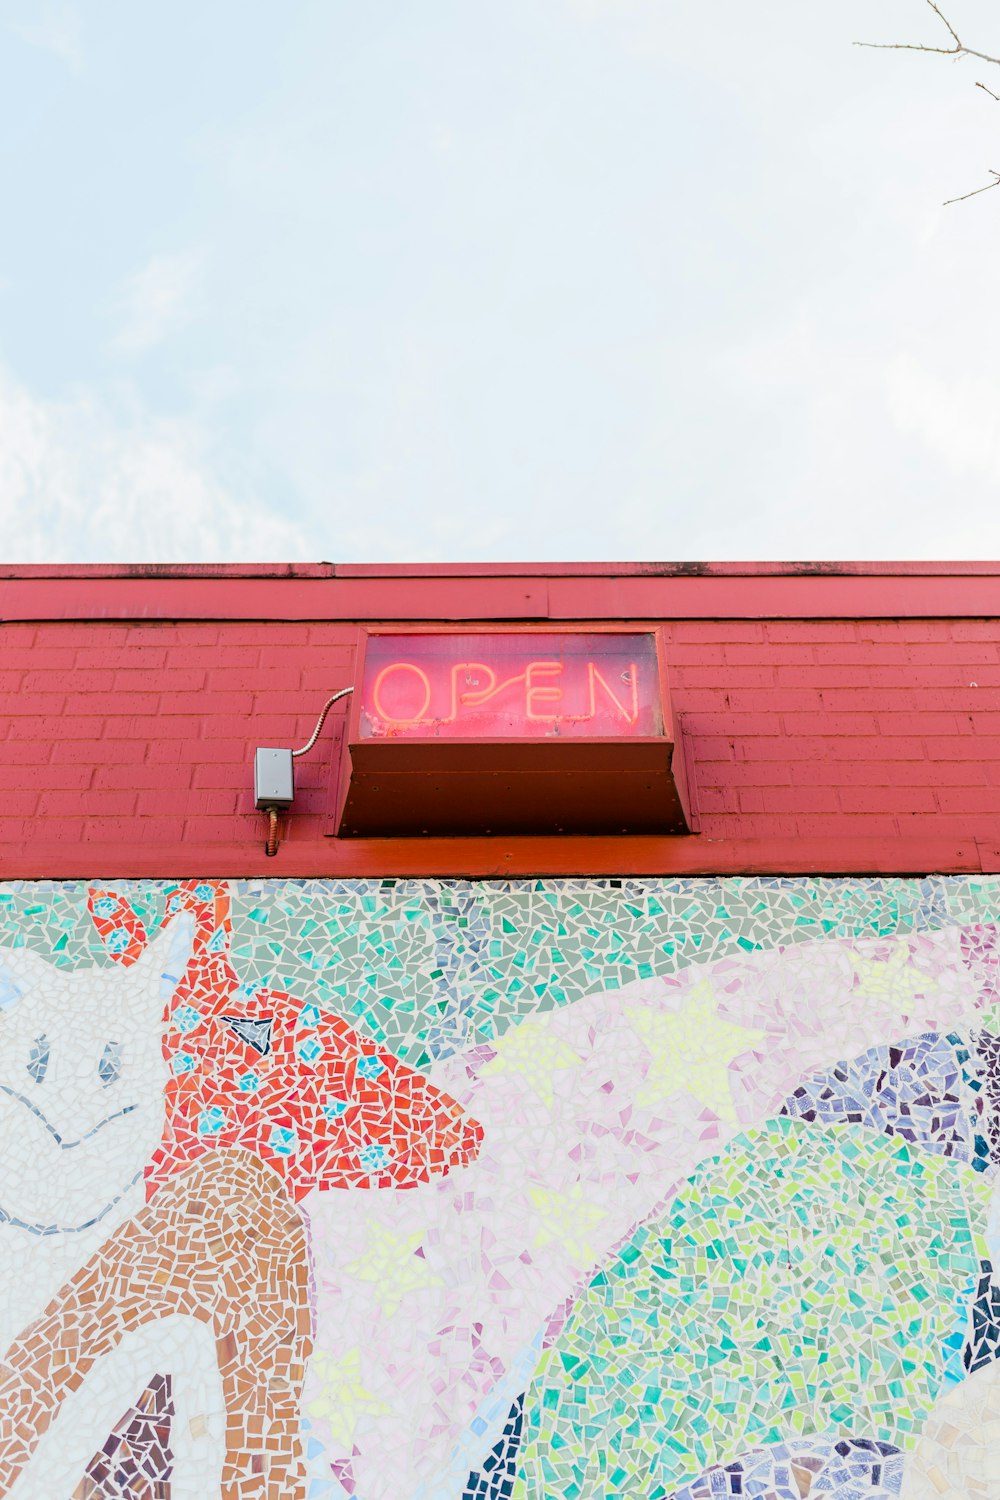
[(520, 732)]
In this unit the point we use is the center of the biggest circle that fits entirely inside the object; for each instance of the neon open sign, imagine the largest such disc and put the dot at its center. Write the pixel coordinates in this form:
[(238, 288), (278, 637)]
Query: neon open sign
[(511, 685)]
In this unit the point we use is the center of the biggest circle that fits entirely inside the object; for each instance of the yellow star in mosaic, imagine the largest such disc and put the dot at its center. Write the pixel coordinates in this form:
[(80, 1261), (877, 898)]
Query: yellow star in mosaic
[(567, 1219), (392, 1263), (531, 1050), (691, 1050), (343, 1397), (895, 980)]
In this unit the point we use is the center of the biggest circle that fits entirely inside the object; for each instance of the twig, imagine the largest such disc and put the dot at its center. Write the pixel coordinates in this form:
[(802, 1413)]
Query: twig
[(958, 50), (988, 91), (988, 188)]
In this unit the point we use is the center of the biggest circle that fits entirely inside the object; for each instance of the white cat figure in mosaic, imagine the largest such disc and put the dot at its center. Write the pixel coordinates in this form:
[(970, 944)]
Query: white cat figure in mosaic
[(82, 1080)]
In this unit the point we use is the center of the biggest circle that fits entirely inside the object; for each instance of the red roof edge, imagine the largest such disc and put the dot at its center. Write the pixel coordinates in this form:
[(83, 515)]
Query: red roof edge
[(290, 570)]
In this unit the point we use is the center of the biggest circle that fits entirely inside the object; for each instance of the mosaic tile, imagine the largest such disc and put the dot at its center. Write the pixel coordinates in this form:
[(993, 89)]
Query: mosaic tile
[(982, 1344), (954, 1455), (135, 1462), (803, 1278), (495, 1481), (925, 1089), (588, 1128), (835, 1468), (333, 1171)]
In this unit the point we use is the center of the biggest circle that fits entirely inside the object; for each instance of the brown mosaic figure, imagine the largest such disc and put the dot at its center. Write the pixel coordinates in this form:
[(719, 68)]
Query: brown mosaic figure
[(221, 1244)]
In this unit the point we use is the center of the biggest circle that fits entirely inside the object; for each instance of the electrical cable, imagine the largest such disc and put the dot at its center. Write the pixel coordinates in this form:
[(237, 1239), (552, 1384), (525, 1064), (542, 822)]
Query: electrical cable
[(319, 723), (271, 847)]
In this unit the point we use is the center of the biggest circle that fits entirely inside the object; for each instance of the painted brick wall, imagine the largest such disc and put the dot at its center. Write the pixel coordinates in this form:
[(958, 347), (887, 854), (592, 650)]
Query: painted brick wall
[(144, 733)]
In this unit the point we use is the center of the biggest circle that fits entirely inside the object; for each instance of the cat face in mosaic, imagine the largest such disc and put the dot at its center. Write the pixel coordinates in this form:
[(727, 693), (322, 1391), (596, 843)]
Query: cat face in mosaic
[(82, 1076)]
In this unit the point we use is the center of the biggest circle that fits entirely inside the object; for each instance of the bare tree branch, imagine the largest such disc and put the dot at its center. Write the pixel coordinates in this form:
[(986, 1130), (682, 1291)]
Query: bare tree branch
[(988, 188), (958, 50)]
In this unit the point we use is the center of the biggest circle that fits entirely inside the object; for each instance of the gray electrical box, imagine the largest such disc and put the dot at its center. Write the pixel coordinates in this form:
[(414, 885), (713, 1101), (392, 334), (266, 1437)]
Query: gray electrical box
[(273, 779)]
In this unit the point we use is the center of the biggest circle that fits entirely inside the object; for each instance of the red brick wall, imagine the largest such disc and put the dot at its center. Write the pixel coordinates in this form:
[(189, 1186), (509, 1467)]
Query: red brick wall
[(125, 743)]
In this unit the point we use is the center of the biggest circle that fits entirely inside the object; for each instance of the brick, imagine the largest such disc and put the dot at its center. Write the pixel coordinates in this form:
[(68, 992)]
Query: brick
[(98, 752), (59, 804), (172, 679), (888, 799), (769, 654), (133, 703), (850, 749), (711, 747), (715, 630), (824, 676), (794, 699), (22, 803), (969, 799), (702, 655), (743, 726), (164, 634), (968, 747), (255, 729), (111, 656), (930, 675), (811, 800), (225, 773), (153, 727), (212, 705), (20, 704), (46, 775), (865, 653), (173, 752), (714, 799), (921, 724), (811, 630), (751, 799), (903, 630), (257, 679), (850, 825), (829, 723), (251, 828), (965, 652), (146, 775), (46, 729), (297, 706), (52, 680), (191, 803), (684, 677), (777, 748), (208, 752), (161, 830), (974, 630), (257, 634), (49, 658), (334, 633)]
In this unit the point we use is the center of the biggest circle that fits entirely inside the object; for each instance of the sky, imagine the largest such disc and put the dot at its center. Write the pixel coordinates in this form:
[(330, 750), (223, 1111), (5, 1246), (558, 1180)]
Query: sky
[(496, 280)]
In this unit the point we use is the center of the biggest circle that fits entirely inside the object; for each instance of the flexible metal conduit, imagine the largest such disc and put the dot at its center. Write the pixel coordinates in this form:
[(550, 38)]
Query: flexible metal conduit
[(271, 846)]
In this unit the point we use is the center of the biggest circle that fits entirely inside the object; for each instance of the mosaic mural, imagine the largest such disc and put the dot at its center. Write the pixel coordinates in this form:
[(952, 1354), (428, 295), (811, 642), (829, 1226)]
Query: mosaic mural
[(423, 1190)]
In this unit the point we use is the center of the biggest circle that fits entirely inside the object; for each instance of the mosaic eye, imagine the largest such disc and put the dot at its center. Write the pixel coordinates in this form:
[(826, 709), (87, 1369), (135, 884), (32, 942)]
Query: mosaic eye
[(38, 1058), (110, 1065)]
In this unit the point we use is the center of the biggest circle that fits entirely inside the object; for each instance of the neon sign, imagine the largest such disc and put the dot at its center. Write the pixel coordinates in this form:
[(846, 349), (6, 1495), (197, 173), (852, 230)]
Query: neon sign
[(511, 685)]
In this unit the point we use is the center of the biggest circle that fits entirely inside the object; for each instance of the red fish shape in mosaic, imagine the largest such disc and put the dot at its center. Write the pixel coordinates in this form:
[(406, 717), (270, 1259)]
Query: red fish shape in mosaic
[(321, 1104)]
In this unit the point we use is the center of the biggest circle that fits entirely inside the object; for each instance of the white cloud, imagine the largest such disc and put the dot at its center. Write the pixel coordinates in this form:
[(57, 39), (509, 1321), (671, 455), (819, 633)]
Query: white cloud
[(957, 421), (79, 484), (55, 29), (156, 301)]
